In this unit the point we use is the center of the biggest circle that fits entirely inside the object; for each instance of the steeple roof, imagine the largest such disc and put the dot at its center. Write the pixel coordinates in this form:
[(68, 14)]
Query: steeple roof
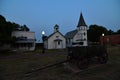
[(56, 25), (81, 21)]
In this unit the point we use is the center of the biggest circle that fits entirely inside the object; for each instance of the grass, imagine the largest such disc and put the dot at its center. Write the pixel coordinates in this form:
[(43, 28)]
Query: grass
[(12, 68)]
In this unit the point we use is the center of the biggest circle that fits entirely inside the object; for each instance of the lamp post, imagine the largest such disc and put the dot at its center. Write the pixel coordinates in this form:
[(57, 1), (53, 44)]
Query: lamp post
[(43, 38), (103, 38)]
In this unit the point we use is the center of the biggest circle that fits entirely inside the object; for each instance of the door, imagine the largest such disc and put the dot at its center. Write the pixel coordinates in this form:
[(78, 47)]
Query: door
[(59, 44)]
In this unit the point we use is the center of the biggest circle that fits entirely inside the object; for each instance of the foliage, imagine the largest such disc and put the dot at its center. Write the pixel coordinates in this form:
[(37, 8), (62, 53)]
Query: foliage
[(95, 32), (24, 28), (110, 32), (118, 31), (6, 29)]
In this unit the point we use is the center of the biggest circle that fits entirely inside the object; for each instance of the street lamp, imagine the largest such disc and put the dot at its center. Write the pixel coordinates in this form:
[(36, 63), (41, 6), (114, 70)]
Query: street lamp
[(43, 38), (103, 34), (43, 32), (103, 38)]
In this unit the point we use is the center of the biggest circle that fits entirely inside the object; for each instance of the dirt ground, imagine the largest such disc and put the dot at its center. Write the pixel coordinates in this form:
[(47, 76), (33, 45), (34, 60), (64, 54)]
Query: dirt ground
[(15, 67)]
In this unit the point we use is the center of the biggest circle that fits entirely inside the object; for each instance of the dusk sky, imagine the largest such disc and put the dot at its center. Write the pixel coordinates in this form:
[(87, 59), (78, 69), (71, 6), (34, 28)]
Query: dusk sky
[(41, 15)]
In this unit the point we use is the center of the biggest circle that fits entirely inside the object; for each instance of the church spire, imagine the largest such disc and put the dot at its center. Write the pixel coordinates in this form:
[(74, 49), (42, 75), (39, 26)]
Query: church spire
[(81, 21)]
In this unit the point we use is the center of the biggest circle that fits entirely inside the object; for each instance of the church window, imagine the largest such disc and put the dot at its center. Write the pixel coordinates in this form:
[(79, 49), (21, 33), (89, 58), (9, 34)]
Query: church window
[(80, 28), (84, 33), (56, 28), (66, 42), (57, 36), (58, 42)]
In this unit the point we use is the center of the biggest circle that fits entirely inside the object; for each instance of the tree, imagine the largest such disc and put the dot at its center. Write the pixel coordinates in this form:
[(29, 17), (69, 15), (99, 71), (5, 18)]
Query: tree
[(110, 32), (2, 19), (6, 29), (118, 31), (24, 28), (95, 32)]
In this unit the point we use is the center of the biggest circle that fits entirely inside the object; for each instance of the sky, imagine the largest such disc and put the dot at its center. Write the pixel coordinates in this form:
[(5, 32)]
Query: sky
[(41, 15)]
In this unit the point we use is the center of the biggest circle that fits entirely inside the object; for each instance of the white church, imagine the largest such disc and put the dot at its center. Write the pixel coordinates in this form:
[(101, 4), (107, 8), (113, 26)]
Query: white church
[(56, 40), (78, 36)]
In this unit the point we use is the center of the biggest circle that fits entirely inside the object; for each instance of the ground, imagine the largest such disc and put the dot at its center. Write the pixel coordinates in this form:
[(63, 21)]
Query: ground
[(16, 66)]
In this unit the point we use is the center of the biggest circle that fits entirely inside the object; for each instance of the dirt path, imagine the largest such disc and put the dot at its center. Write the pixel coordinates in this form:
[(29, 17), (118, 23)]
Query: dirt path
[(30, 55)]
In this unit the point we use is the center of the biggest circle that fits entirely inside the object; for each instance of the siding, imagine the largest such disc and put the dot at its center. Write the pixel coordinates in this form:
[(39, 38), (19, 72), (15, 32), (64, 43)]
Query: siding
[(51, 43)]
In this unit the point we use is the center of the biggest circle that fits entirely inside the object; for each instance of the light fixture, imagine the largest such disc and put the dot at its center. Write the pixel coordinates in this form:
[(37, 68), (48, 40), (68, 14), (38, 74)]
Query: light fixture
[(103, 34), (43, 32)]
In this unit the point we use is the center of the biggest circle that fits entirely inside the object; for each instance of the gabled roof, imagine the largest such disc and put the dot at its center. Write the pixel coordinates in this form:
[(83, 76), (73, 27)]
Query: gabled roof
[(81, 21), (70, 34), (54, 33)]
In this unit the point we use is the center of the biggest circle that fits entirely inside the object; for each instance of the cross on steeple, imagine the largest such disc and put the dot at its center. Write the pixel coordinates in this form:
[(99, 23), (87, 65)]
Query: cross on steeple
[(81, 21)]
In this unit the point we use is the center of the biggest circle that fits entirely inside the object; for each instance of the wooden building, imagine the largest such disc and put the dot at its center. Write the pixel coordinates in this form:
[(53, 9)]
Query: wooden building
[(25, 40), (110, 39)]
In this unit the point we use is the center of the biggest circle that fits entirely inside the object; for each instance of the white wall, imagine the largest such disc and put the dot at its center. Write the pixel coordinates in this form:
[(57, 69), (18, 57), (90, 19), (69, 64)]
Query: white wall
[(51, 42), (80, 35), (29, 35)]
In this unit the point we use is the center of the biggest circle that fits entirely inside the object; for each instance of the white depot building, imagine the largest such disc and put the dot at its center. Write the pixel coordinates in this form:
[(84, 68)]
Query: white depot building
[(25, 40)]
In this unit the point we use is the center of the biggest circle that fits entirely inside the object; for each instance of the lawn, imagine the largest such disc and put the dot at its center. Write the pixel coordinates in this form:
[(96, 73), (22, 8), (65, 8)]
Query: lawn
[(15, 67)]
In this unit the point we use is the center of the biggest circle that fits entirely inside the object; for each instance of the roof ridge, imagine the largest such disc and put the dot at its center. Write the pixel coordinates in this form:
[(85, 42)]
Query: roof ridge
[(71, 34), (54, 33)]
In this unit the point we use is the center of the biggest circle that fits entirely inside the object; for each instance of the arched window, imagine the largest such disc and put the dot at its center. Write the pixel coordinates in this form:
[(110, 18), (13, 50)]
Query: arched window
[(84, 33)]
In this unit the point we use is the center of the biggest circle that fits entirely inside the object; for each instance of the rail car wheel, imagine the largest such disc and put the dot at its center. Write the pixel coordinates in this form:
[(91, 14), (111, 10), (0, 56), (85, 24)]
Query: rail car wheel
[(82, 64), (104, 58)]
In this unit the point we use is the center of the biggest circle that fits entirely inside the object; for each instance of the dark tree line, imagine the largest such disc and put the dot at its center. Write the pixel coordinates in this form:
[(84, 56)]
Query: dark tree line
[(6, 29), (95, 31)]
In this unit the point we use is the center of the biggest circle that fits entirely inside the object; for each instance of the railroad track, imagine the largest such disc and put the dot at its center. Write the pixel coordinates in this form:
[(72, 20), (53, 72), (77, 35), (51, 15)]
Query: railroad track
[(45, 67)]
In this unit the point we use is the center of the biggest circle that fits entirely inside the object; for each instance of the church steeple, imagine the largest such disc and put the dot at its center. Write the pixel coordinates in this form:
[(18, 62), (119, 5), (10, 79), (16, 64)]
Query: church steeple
[(81, 21)]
